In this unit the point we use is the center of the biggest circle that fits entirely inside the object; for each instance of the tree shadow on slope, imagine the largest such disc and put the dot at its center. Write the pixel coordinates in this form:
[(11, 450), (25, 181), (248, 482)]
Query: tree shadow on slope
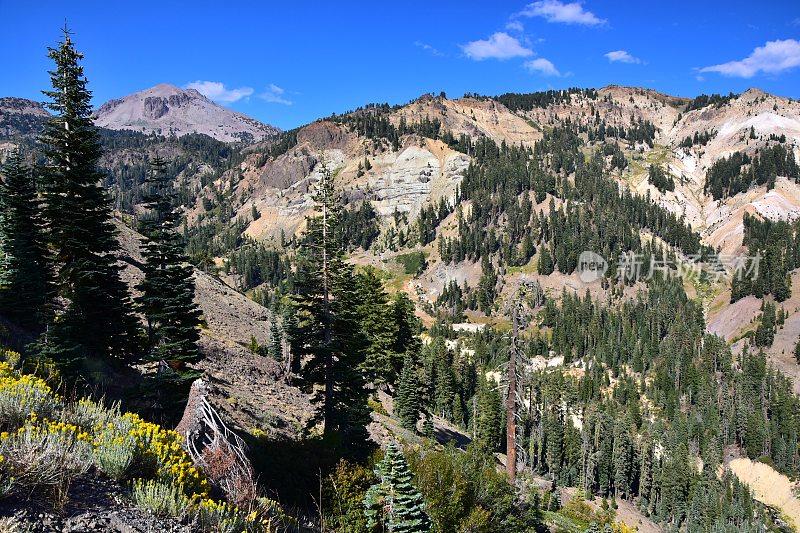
[(292, 471)]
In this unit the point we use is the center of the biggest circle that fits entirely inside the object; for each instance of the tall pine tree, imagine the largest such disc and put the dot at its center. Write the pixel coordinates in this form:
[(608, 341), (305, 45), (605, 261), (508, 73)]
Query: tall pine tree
[(96, 321), (327, 332), (490, 422), (25, 274), (167, 290), (382, 363)]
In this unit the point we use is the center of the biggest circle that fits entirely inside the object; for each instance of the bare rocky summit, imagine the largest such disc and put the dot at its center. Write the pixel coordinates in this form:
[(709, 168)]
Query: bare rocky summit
[(168, 110)]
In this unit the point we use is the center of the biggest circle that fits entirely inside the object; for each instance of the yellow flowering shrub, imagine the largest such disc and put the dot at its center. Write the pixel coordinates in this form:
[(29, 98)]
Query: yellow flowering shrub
[(116, 443), (44, 444), (43, 459), (5, 367), (32, 364), (91, 415), (161, 499), (22, 396), (226, 518), (262, 515), (162, 450), (114, 453)]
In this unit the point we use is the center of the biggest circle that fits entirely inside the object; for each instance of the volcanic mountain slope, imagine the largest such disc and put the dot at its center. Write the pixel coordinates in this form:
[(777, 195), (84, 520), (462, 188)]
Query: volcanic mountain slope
[(194, 158), (167, 110), (745, 124), (423, 162), (418, 169)]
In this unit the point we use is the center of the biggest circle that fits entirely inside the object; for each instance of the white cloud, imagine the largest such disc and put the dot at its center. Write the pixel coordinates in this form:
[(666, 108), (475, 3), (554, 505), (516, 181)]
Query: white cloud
[(499, 46), (215, 90), (515, 25), (274, 94), (622, 56), (556, 11), (772, 58), (428, 48), (542, 66)]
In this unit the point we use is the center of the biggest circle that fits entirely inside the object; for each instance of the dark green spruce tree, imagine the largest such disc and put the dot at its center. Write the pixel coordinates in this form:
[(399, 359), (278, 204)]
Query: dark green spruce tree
[(382, 363), (407, 403), (490, 423), (327, 333), (25, 276), (167, 290), (765, 332), (96, 321)]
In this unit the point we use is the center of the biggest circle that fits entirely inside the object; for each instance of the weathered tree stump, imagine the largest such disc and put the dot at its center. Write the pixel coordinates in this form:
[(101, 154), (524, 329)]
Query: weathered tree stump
[(215, 448)]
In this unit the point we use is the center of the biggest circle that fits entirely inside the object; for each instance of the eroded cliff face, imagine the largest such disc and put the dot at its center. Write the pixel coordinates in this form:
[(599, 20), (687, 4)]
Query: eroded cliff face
[(419, 170)]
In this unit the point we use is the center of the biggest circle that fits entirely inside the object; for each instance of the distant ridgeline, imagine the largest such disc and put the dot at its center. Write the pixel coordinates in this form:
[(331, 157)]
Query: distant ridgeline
[(705, 100), (541, 99)]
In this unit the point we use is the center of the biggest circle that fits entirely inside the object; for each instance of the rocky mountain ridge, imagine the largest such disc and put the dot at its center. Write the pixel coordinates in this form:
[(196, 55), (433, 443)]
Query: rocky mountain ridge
[(20, 117)]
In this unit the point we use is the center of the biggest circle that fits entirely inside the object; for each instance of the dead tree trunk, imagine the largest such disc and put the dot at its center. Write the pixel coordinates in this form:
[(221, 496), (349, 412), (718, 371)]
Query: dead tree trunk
[(511, 403)]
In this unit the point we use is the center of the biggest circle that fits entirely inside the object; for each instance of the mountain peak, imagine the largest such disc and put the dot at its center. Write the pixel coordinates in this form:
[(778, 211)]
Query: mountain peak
[(169, 110)]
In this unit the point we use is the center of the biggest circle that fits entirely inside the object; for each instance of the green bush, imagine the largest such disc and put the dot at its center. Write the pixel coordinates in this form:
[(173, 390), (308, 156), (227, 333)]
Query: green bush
[(414, 263), (343, 497), (89, 415), (113, 455), (44, 461), (161, 499), (466, 492)]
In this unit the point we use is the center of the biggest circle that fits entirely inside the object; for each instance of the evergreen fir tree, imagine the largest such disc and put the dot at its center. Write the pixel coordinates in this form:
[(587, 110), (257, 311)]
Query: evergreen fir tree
[(645, 471), (327, 332), (275, 348), (25, 276), (490, 423), (407, 402), (487, 287), (394, 502), (407, 325), (545, 265), (765, 332), (381, 363), (97, 319), (167, 290), (622, 459)]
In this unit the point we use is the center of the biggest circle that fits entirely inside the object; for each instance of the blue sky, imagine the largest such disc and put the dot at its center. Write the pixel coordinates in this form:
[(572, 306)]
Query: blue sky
[(289, 63)]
